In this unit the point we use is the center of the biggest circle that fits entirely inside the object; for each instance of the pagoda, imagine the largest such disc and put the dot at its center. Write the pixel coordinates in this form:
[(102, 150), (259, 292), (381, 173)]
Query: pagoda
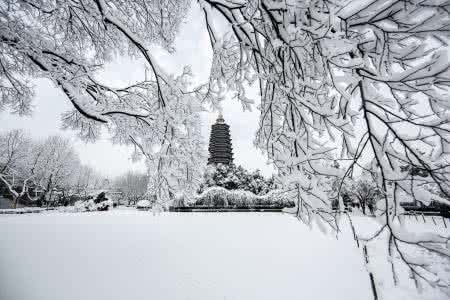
[(220, 150)]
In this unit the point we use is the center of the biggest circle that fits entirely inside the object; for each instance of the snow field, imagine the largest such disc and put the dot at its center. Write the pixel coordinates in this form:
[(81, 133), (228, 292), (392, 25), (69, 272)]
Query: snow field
[(128, 254)]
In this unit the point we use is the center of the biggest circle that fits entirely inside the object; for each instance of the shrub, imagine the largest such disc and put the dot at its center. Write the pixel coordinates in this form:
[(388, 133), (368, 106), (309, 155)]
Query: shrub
[(104, 205), (221, 197), (143, 204), (100, 203), (233, 177)]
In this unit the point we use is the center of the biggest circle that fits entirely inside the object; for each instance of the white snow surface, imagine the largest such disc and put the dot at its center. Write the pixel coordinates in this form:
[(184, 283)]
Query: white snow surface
[(129, 254)]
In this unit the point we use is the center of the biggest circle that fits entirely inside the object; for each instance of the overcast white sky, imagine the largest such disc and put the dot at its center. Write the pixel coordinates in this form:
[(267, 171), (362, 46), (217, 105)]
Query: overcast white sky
[(192, 48)]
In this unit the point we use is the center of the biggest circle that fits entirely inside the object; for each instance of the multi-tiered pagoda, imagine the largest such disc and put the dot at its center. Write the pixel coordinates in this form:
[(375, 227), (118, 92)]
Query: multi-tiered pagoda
[(220, 150)]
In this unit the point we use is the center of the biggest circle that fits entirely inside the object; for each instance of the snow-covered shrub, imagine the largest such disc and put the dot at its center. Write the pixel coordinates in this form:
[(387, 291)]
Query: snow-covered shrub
[(100, 203), (275, 197), (87, 205), (100, 198), (232, 177), (221, 197), (104, 205), (143, 204)]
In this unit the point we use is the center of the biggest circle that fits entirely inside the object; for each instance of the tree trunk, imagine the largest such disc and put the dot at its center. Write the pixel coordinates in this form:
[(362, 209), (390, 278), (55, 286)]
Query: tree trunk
[(363, 206), (15, 201), (298, 200), (49, 189)]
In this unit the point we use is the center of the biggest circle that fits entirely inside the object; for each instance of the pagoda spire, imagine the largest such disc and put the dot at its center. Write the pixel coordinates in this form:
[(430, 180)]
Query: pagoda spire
[(220, 149), (220, 119)]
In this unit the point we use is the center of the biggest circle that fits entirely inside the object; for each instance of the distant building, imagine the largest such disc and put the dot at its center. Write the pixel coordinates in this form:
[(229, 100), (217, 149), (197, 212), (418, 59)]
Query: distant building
[(220, 149)]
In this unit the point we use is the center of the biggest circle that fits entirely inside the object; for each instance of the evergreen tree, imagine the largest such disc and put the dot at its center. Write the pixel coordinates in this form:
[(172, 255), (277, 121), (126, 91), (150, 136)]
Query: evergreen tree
[(232, 177)]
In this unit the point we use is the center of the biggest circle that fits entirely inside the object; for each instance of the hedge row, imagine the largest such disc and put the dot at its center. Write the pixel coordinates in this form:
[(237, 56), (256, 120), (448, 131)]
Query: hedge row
[(221, 197)]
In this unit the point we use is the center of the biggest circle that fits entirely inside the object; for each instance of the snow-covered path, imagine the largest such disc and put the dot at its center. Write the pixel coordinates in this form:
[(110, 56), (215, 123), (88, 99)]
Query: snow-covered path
[(135, 255)]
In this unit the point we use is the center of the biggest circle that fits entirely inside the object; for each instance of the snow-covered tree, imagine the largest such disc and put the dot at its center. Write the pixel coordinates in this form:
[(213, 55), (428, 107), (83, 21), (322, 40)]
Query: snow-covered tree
[(232, 177), (347, 80), (366, 192), (15, 163), (68, 41), (41, 166), (133, 186), (85, 180), (54, 162)]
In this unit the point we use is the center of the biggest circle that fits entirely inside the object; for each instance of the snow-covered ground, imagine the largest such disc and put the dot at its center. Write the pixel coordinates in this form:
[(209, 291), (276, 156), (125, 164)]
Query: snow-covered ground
[(129, 254)]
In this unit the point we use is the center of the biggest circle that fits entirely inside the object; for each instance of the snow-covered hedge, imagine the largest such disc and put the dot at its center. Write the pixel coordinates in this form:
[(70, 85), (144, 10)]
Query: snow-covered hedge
[(90, 205), (143, 204), (234, 177), (221, 197)]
